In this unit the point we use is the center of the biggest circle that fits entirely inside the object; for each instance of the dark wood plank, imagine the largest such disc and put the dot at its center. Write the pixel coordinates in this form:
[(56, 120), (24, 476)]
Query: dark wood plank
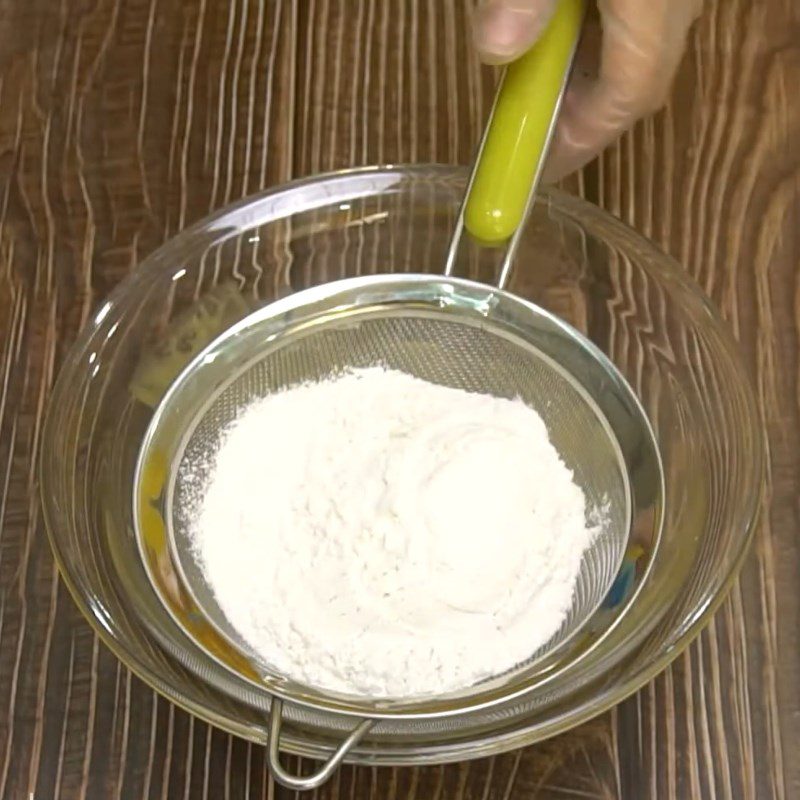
[(123, 120)]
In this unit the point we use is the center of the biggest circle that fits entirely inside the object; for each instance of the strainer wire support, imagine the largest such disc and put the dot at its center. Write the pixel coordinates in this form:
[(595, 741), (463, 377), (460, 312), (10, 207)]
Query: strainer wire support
[(316, 779)]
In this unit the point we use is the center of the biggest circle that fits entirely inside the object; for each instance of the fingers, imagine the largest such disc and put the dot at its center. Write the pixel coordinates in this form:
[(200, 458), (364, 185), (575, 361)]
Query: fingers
[(504, 29), (632, 71), (642, 46)]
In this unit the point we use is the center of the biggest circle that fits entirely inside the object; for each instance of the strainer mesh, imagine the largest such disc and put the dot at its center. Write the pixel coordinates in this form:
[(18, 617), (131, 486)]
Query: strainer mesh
[(445, 352)]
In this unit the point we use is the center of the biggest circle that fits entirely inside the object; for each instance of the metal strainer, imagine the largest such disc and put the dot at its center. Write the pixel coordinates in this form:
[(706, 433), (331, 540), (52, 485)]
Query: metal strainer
[(444, 330)]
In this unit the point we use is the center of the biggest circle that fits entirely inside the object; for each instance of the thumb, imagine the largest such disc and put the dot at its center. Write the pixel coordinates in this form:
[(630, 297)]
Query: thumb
[(504, 29)]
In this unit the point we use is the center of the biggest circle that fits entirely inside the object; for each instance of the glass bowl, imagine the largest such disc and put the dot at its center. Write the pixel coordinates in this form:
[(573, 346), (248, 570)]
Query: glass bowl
[(576, 261)]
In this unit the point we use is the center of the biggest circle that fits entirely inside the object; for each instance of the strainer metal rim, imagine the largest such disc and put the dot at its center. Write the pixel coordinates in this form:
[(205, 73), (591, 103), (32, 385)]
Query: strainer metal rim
[(329, 702)]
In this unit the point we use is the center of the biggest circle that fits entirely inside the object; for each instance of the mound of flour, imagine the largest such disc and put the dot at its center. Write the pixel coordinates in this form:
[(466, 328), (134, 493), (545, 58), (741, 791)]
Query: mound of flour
[(379, 535)]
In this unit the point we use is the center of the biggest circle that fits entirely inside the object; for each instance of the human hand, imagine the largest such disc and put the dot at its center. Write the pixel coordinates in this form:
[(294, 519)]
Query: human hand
[(623, 69)]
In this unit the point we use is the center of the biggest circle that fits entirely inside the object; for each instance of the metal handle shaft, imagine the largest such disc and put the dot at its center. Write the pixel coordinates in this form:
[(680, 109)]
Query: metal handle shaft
[(511, 156)]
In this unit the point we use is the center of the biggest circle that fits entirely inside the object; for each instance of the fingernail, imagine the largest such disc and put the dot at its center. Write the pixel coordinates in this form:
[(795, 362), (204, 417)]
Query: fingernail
[(505, 31)]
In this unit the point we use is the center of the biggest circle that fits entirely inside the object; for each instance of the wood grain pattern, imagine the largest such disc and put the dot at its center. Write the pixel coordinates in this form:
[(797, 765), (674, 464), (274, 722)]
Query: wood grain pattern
[(123, 120)]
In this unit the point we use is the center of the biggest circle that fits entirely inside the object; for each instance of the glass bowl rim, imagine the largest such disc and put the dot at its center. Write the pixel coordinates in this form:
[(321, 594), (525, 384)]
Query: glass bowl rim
[(593, 705)]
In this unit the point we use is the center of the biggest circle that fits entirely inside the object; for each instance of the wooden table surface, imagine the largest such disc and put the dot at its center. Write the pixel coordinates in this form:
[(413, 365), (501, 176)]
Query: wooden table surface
[(123, 120)]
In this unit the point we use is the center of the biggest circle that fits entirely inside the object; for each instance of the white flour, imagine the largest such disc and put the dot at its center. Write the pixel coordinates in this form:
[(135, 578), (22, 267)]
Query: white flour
[(377, 534)]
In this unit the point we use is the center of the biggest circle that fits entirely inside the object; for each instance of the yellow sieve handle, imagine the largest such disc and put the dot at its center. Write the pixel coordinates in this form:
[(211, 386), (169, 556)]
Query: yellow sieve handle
[(518, 133)]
